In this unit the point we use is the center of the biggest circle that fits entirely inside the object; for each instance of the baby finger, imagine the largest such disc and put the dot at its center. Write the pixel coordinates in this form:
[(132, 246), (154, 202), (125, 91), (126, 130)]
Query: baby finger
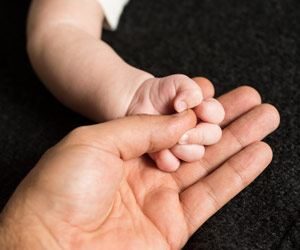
[(188, 153), (203, 134)]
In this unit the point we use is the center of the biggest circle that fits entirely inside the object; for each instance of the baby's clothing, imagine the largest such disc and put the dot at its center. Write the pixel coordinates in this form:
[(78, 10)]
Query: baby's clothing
[(112, 10)]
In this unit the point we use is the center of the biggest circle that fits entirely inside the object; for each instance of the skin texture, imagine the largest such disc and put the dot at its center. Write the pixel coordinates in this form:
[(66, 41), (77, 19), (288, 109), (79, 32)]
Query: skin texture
[(161, 96), (85, 74), (97, 190)]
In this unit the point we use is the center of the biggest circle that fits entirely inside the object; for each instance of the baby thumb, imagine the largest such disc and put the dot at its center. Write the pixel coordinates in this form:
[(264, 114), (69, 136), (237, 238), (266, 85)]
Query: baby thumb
[(188, 95)]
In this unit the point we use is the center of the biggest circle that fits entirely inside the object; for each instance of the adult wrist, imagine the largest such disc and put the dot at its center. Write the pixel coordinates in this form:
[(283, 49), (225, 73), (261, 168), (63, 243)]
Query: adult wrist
[(9, 238), (25, 235)]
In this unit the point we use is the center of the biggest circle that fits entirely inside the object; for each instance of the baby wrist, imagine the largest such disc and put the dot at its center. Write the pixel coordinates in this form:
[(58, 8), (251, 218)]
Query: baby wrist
[(122, 96)]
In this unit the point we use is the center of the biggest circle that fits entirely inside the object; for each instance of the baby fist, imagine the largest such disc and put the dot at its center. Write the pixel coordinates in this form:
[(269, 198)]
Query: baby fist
[(176, 93)]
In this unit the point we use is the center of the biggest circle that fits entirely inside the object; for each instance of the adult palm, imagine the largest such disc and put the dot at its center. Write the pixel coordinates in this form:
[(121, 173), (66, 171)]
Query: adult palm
[(97, 190)]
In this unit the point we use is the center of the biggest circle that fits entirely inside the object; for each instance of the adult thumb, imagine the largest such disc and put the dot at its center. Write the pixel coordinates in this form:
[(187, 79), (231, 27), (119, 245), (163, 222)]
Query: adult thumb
[(134, 136)]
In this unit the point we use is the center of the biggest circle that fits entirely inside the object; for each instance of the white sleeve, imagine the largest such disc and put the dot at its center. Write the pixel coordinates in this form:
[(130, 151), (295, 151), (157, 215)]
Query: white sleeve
[(112, 10)]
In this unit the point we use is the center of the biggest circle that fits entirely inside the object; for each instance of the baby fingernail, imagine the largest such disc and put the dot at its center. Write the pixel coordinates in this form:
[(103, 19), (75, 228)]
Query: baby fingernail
[(184, 139), (180, 106)]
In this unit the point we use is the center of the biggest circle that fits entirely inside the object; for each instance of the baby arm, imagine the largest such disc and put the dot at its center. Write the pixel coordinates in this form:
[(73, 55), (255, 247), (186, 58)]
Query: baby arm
[(82, 71), (86, 75)]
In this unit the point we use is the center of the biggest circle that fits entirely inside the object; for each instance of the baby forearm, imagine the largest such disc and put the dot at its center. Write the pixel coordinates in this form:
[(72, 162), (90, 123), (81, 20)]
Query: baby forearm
[(82, 71), (86, 74)]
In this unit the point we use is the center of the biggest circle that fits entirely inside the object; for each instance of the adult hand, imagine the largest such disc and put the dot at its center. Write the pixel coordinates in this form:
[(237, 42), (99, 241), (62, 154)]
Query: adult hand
[(96, 190)]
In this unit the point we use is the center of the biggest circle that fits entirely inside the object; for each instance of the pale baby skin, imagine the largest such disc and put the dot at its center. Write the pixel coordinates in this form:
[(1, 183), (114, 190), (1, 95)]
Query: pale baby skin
[(87, 75)]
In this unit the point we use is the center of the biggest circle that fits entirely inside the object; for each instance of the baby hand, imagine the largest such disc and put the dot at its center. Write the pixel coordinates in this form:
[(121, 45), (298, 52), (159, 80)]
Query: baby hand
[(176, 93)]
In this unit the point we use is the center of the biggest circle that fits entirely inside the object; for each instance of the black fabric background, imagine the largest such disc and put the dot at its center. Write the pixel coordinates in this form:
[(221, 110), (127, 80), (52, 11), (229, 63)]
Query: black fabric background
[(232, 42)]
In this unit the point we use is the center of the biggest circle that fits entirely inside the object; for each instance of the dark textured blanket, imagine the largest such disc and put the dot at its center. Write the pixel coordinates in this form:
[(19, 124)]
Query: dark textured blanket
[(232, 42)]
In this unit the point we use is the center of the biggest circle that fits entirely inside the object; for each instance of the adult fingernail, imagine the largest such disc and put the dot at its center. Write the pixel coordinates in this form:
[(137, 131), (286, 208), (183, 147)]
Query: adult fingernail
[(184, 139), (180, 106)]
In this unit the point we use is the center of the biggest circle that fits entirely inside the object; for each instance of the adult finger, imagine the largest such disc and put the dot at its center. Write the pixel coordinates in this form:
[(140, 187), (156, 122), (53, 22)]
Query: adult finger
[(235, 103), (167, 160), (238, 102), (206, 86), (252, 126), (133, 136), (207, 196)]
